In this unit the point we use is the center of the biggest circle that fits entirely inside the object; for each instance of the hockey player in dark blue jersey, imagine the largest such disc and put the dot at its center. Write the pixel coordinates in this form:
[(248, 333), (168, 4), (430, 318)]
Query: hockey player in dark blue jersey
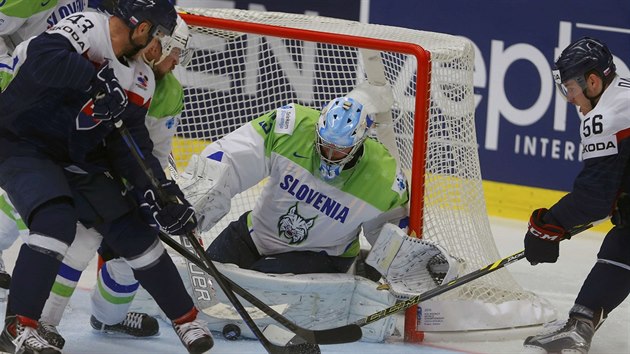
[(61, 161), (585, 74)]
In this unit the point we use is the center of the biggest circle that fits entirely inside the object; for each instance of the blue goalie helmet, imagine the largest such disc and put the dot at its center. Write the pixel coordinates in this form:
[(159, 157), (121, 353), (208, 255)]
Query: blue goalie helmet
[(341, 130), (160, 13)]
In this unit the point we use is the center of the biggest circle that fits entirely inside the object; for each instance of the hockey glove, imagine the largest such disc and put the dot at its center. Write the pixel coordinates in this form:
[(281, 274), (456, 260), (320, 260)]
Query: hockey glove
[(108, 96), (175, 216), (542, 239)]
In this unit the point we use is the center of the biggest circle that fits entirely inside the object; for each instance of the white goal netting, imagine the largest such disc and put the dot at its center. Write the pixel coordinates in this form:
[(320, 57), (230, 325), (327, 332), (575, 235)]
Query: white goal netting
[(247, 63)]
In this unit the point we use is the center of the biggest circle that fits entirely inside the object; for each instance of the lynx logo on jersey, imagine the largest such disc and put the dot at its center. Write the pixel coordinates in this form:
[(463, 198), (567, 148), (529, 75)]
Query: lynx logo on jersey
[(599, 146), (294, 227)]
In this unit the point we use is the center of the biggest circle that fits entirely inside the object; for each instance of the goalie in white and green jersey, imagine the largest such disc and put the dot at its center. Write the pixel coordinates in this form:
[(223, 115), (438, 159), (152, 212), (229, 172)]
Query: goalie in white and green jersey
[(327, 181)]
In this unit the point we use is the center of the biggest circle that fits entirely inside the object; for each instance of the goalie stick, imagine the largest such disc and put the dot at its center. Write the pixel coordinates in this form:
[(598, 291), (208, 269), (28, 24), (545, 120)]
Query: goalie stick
[(270, 347)]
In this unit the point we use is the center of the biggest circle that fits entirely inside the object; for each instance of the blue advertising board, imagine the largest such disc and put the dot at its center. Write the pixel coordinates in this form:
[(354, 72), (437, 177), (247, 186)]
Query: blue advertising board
[(527, 134)]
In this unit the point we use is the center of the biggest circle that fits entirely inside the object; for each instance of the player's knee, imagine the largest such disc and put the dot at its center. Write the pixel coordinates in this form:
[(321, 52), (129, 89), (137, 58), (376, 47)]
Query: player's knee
[(120, 270), (616, 247), (146, 259), (52, 227)]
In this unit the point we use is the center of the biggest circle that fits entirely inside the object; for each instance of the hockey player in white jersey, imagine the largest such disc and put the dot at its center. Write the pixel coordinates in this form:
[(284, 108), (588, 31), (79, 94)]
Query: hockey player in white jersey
[(586, 75), (116, 285), (55, 147)]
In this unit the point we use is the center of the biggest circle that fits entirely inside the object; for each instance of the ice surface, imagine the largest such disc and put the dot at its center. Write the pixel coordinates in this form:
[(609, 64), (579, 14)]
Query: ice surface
[(559, 283)]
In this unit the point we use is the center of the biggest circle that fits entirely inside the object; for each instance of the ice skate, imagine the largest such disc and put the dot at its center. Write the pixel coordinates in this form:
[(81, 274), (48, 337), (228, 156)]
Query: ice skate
[(136, 324), (194, 334), (572, 338), (20, 336), (51, 335)]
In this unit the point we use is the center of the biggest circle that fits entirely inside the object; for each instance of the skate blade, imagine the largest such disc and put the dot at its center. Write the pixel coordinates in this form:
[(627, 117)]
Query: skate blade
[(118, 334)]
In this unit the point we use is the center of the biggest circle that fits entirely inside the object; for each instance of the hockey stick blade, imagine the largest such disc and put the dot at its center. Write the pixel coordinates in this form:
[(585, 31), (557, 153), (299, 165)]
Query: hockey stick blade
[(344, 334), (405, 304)]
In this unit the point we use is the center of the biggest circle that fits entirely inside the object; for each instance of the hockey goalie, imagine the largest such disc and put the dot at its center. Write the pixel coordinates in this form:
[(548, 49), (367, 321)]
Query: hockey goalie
[(325, 182)]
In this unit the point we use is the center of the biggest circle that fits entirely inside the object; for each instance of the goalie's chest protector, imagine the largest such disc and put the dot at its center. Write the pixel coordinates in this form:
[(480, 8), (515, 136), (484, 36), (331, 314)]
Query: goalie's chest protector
[(298, 210)]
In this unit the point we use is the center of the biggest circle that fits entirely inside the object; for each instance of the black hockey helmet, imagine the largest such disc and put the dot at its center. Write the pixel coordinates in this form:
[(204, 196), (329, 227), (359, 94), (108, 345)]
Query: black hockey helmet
[(584, 56), (160, 13)]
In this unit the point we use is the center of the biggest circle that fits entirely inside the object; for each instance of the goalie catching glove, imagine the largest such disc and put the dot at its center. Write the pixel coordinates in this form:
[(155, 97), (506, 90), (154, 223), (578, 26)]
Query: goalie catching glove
[(205, 183), (175, 216), (409, 265)]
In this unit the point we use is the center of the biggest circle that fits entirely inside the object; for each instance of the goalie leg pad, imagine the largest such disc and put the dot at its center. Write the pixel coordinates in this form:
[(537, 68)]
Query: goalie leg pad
[(317, 301), (366, 301), (302, 262)]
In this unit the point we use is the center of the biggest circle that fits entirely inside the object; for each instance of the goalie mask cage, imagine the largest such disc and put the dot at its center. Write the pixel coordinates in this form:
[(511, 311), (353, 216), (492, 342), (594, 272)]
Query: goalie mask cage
[(247, 63)]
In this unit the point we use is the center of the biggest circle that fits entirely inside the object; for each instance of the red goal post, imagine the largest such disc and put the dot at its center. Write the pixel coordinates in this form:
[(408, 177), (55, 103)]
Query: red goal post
[(247, 63)]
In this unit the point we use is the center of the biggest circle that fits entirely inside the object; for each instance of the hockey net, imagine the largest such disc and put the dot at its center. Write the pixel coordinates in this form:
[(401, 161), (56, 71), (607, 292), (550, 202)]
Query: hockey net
[(247, 63)]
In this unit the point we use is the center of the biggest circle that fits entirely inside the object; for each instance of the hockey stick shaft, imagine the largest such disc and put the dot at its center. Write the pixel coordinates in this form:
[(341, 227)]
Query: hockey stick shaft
[(403, 305), (135, 152)]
